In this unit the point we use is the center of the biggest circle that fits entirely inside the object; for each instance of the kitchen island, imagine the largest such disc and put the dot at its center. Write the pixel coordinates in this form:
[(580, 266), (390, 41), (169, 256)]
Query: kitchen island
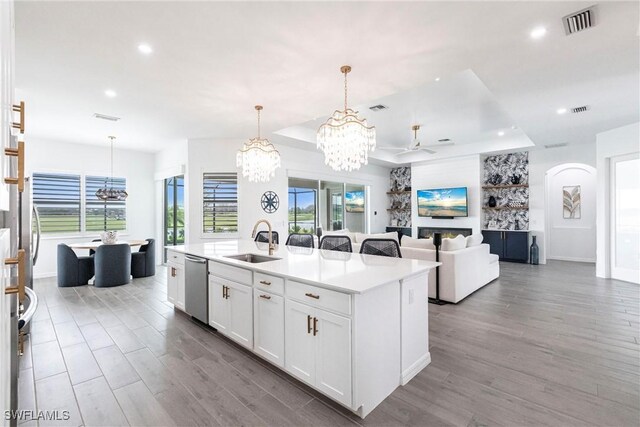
[(354, 327)]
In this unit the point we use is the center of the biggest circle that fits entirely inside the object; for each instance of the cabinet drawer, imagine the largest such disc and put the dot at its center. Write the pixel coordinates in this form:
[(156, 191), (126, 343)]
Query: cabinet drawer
[(319, 297), (175, 257), (268, 282), (230, 272)]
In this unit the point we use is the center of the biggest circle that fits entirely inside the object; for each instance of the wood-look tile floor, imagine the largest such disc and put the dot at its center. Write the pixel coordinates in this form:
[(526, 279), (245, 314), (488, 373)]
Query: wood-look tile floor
[(543, 345)]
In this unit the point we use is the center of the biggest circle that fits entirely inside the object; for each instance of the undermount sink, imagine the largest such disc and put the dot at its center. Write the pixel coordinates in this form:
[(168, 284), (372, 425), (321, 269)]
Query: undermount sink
[(252, 258)]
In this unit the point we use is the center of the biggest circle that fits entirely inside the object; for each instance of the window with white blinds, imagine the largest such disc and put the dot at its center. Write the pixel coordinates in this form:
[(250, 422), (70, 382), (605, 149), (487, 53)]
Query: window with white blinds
[(219, 203), (101, 215), (57, 197)]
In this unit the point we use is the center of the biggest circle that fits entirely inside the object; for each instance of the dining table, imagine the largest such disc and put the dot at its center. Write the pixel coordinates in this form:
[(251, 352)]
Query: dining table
[(95, 245)]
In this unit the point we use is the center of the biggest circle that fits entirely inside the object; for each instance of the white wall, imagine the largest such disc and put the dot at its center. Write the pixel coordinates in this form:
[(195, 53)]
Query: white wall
[(571, 239), (616, 142), (456, 172), (540, 161), (207, 155), (137, 167)]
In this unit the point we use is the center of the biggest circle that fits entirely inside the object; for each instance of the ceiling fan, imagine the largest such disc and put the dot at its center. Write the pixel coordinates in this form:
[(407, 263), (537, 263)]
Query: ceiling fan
[(415, 145)]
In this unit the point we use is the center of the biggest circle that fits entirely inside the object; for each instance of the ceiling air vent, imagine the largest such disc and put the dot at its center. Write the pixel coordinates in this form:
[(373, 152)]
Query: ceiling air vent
[(582, 109), (444, 140), (378, 107), (579, 21), (105, 117), (561, 144)]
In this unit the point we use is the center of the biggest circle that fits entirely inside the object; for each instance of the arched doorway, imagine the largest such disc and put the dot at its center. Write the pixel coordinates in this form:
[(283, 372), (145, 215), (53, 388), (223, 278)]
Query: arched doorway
[(570, 212)]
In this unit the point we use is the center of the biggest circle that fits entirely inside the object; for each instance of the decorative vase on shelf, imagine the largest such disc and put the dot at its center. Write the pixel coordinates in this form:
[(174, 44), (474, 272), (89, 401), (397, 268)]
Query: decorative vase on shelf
[(109, 237), (515, 179), (492, 202), (534, 252)]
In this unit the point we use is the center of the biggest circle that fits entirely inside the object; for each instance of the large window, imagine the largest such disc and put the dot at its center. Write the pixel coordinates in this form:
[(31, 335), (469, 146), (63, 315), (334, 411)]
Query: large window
[(57, 197), (173, 212), (219, 203), (101, 215), (302, 205), (67, 206)]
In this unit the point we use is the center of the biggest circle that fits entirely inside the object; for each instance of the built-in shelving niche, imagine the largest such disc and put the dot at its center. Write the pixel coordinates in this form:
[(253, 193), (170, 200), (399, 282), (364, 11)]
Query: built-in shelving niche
[(400, 197), (506, 178)]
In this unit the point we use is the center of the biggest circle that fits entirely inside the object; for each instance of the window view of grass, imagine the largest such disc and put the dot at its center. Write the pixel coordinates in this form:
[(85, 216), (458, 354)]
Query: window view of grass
[(302, 210), (220, 203)]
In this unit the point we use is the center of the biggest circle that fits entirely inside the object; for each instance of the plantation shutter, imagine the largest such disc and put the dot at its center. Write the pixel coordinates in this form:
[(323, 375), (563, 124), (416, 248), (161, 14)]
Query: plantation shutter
[(113, 212), (57, 197), (220, 203)]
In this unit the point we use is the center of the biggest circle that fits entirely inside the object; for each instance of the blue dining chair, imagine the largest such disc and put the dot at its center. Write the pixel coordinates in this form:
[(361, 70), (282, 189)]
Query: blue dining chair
[(112, 265), (72, 269)]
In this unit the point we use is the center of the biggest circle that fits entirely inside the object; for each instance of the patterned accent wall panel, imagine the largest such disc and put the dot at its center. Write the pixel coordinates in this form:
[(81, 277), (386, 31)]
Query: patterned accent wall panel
[(506, 207), (400, 203), (506, 169)]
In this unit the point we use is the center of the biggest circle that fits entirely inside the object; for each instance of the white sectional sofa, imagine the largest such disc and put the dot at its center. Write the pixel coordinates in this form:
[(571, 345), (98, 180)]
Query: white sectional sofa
[(467, 264)]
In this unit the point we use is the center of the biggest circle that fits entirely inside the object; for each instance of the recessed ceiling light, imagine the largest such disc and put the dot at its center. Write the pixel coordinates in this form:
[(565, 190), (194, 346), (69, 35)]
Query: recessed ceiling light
[(561, 110), (501, 133), (437, 79), (110, 93), (145, 48), (538, 32)]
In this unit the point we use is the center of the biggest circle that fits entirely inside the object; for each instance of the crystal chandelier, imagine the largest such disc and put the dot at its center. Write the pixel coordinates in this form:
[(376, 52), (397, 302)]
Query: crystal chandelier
[(258, 157), (109, 193), (345, 138)]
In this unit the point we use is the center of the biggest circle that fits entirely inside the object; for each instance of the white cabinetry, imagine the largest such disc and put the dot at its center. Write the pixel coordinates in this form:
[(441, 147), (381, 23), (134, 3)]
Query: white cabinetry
[(231, 309), (318, 349), (268, 326), (175, 285)]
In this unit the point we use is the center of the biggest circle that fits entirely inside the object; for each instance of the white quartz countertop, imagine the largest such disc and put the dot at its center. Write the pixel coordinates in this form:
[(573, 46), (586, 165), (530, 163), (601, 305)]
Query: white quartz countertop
[(341, 271)]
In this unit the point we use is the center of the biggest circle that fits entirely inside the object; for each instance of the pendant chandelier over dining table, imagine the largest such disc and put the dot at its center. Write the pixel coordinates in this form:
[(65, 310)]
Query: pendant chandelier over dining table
[(346, 139), (108, 193), (258, 157)]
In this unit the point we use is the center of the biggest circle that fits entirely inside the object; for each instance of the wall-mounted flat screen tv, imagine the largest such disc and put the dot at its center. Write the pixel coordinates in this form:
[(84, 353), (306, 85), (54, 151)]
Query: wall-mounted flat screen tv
[(443, 202), (354, 201)]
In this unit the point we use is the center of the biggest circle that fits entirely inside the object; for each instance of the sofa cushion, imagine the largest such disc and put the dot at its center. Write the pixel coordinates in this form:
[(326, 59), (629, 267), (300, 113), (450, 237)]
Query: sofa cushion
[(361, 237), (343, 232), (474, 240), (410, 242), (455, 244)]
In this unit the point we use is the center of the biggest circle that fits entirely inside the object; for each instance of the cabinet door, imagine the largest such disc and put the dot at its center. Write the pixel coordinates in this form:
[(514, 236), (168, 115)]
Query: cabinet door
[(495, 242), (333, 356), (180, 285), (218, 306), (299, 341), (172, 284), (268, 326), (240, 302), (516, 246)]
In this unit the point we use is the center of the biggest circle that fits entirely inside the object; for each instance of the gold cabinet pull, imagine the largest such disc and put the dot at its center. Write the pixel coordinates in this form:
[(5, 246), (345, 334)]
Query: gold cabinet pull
[(19, 153), (265, 296), (308, 324), (310, 295), (173, 272), (315, 326), (226, 292), (19, 108), (20, 261), (264, 282)]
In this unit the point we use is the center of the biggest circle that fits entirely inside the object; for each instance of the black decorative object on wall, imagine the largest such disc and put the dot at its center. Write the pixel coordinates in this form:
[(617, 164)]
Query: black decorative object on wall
[(270, 202), (492, 203)]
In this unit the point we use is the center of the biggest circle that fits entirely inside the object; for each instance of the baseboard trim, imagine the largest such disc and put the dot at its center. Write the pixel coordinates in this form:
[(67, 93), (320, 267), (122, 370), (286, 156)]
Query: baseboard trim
[(413, 370), (561, 258), (44, 275)]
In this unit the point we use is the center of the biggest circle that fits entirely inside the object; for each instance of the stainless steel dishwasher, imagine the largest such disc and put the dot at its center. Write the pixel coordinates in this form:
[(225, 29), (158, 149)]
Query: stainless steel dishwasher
[(196, 288)]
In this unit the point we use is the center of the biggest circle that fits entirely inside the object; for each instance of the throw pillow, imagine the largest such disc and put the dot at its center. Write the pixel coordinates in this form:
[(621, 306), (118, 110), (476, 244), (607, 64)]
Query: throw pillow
[(474, 240), (361, 237), (455, 244), (410, 242)]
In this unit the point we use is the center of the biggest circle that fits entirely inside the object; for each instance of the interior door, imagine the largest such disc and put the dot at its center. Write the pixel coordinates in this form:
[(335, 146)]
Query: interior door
[(333, 355), (299, 341), (625, 218)]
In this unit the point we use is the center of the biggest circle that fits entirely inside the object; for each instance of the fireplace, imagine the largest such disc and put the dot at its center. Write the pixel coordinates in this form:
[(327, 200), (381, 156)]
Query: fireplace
[(427, 232)]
